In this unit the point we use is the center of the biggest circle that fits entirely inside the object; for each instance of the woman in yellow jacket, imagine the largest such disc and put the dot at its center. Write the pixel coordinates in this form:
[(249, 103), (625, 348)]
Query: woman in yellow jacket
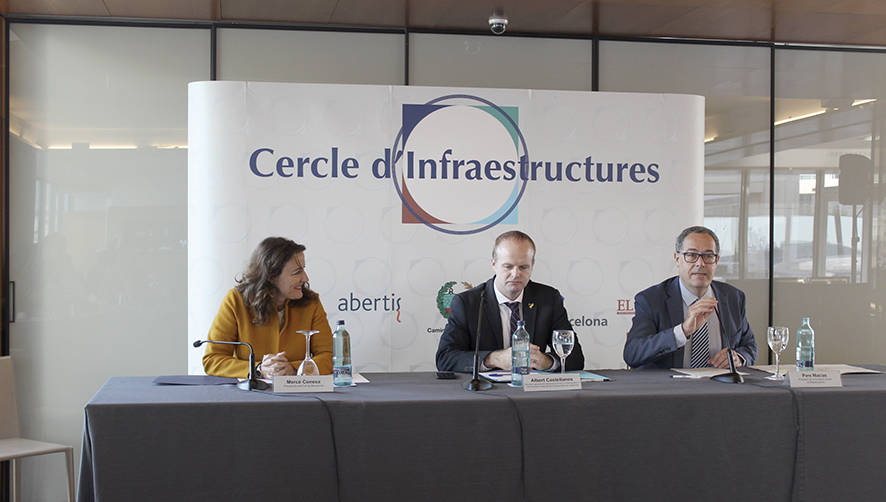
[(271, 302)]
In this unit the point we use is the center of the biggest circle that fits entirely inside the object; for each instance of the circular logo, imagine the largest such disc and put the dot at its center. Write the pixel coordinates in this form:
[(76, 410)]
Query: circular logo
[(456, 164), (445, 294)]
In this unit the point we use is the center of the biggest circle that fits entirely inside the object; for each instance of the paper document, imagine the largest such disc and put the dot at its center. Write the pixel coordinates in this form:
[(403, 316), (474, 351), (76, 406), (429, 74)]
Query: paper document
[(193, 380), (844, 368), (505, 376), (702, 372), (497, 376), (770, 368), (587, 376)]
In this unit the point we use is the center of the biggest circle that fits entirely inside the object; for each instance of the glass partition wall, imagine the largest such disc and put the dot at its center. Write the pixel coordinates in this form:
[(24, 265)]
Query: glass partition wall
[(310, 56), (513, 62), (98, 179), (98, 218), (829, 209)]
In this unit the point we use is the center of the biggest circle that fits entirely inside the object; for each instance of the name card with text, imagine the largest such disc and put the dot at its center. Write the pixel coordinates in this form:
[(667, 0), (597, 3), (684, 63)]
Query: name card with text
[(551, 381), (815, 378), (304, 383)]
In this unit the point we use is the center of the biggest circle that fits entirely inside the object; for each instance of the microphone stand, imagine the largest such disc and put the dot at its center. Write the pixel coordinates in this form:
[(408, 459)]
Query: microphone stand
[(476, 384), (733, 376), (252, 382)]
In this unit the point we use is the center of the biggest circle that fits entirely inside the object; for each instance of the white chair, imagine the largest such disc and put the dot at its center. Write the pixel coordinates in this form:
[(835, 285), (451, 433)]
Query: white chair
[(13, 447)]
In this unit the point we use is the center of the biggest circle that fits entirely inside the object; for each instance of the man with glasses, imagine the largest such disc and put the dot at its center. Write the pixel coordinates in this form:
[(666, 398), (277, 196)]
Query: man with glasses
[(687, 321)]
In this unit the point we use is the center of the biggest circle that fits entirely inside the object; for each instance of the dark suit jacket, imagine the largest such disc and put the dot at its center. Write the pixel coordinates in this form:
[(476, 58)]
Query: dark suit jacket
[(657, 310), (543, 312)]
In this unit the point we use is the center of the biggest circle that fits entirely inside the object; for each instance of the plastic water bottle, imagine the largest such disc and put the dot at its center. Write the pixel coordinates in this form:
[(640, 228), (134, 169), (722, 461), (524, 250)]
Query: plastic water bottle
[(341, 355), (805, 346), (519, 355)]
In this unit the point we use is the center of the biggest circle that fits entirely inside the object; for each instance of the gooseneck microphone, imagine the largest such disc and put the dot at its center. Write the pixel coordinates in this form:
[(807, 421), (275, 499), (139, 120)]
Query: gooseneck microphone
[(476, 384), (252, 382), (733, 376)]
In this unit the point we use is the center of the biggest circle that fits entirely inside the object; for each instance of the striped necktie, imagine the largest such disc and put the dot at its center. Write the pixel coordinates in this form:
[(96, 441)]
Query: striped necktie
[(698, 347), (515, 315)]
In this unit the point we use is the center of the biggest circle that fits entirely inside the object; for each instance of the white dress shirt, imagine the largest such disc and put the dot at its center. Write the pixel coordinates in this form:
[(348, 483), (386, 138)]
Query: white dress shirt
[(505, 312)]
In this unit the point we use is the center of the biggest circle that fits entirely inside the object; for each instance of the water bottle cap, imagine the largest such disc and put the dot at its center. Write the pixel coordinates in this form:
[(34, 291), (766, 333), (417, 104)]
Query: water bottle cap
[(520, 323), (340, 322)]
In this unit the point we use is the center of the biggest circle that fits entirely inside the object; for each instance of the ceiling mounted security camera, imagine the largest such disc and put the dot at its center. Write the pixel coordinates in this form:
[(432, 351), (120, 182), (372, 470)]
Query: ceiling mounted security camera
[(498, 23)]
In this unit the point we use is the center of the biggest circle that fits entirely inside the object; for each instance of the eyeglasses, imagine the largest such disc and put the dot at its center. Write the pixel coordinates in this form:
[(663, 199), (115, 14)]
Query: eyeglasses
[(708, 258)]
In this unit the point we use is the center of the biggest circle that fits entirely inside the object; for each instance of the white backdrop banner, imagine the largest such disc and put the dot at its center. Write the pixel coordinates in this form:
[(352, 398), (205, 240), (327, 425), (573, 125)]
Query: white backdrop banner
[(398, 193)]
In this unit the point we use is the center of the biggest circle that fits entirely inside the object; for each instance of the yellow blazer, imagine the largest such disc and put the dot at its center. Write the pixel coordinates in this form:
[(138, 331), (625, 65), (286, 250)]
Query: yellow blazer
[(234, 323)]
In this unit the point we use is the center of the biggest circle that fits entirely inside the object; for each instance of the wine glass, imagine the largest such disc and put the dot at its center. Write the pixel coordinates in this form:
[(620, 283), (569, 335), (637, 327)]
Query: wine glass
[(308, 366), (777, 337), (563, 341)]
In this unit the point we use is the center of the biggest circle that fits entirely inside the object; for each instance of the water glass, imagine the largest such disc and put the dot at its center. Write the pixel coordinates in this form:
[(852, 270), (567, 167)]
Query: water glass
[(308, 366), (777, 337), (563, 340)]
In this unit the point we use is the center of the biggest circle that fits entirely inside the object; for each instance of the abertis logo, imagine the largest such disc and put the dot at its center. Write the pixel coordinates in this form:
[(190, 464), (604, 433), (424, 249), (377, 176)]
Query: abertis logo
[(456, 164)]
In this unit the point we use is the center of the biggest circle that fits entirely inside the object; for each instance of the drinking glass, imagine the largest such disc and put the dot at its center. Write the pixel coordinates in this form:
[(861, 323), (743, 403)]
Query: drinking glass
[(308, 366), (777, 337), (563, 340)]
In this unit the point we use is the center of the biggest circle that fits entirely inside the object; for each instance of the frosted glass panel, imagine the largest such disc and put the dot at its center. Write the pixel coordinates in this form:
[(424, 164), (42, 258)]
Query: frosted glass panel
[(98, 219), (509, 62), (310, 56), (830, 256), (735, 83)]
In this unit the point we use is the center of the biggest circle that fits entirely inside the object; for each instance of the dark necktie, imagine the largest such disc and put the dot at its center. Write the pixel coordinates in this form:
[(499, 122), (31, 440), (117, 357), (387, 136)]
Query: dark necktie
[(515, 315), (698, 350)]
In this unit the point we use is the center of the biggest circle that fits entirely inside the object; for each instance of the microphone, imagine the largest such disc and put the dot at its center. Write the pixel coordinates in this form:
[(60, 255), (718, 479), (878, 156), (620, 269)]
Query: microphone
[(732, 376), (252, 382), (476, 384)]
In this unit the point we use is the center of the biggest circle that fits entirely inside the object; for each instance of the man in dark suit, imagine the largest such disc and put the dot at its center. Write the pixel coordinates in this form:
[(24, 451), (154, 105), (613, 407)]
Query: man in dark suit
[(509, 296), (688, 321)]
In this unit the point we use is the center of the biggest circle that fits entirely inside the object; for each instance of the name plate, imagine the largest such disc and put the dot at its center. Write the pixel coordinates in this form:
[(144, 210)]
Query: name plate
[(551, 381), (815, 378), (304, 383)]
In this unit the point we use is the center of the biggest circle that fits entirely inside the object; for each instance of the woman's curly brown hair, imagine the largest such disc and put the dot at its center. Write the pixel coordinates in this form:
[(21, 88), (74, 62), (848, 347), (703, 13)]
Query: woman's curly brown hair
[(265, 265)]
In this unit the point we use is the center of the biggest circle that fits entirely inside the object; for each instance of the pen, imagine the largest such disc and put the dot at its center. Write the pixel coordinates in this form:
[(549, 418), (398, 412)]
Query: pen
[(682, 376), (497, 374)]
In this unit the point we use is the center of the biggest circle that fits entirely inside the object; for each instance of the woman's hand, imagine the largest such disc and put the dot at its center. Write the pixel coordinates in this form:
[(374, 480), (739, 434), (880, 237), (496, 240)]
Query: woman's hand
[(275, 364)]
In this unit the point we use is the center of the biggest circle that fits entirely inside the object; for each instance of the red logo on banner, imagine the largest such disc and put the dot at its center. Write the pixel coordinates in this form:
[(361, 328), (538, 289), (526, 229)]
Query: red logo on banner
[(625, 307)]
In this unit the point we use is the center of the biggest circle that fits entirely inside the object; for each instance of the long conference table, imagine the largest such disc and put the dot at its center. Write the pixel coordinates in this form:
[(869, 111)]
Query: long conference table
[(409, 436)]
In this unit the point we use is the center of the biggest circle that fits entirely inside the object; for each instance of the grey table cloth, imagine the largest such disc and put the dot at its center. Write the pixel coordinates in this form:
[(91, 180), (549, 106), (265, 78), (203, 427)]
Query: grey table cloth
[(408, 436)]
